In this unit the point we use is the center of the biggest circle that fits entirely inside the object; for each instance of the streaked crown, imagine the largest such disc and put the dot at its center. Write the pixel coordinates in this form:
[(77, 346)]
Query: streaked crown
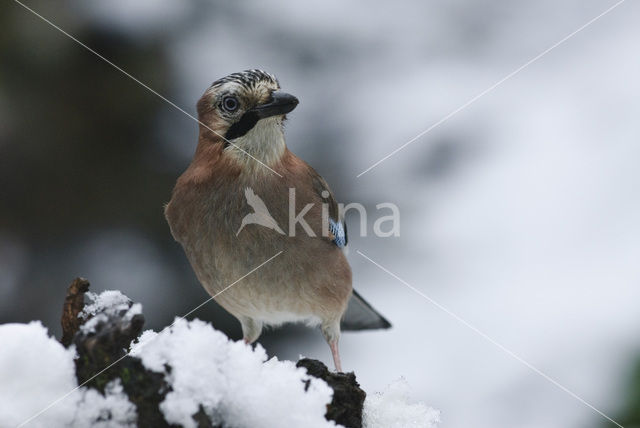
[(249, 79)]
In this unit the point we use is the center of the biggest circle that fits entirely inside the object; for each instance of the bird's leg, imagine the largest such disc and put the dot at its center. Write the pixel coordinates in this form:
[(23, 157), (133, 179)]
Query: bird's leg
[(336, 355), (331, 333), (251, 329)]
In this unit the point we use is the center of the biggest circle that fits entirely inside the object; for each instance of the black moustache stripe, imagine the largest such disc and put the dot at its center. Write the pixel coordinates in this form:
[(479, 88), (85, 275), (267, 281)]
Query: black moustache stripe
[(241, 127)]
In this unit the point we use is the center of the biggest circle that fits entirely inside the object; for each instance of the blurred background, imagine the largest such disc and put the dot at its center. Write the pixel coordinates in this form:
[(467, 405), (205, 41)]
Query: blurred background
[(520, 214)]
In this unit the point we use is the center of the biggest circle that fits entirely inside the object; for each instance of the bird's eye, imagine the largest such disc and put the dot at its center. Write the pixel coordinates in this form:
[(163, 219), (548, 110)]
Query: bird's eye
[(230, 103)]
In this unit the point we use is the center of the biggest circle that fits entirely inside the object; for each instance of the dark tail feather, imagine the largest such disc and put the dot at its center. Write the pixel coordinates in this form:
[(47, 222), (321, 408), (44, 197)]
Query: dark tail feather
[(361, 316)]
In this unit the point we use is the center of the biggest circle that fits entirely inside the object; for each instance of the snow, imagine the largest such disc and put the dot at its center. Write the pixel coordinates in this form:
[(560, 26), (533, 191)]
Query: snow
[(109, 302), (109, 411), (36, 371), (230, 380), (393, 409)]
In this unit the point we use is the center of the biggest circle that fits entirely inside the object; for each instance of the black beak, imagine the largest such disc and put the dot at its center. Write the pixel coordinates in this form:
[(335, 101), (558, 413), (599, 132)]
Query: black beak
[(280, 103)]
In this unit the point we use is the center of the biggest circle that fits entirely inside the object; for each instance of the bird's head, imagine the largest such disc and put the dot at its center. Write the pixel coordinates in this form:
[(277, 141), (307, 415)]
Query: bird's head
[(247, 109)]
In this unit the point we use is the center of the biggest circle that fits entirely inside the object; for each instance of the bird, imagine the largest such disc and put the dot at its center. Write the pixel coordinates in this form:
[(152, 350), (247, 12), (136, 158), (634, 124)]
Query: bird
[(241, 163), (260, 215)]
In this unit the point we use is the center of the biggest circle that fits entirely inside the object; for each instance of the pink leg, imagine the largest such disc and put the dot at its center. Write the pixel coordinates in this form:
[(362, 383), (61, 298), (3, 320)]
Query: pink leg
[(251, 329), (336, 355)]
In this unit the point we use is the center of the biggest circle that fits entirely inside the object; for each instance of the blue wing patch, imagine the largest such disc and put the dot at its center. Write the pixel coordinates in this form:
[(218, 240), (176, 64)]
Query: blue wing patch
[(339, 235)]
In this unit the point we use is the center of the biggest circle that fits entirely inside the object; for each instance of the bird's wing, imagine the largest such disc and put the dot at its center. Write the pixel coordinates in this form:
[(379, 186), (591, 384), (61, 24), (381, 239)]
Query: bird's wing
[(337, 225), (360, 315)]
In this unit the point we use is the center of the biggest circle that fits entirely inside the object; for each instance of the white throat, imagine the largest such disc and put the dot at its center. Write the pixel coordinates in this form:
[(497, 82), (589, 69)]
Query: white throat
[(265, 142)]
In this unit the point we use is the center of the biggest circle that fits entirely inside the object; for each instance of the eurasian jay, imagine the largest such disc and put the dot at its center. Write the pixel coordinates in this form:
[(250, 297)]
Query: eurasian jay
[(246, 198)]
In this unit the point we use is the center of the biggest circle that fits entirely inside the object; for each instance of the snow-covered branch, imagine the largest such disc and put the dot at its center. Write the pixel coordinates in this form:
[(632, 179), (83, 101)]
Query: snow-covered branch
[(189, 375)]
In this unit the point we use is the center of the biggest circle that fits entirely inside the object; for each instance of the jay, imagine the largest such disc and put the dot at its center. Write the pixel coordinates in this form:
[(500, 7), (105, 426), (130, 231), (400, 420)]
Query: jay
[(231, 208)]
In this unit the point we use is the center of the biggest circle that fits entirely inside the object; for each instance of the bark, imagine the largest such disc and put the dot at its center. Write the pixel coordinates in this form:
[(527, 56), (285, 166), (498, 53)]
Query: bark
[(73, 304), (348, 399)]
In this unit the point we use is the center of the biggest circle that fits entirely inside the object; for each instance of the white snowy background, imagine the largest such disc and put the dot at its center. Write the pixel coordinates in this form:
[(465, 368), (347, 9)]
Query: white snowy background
[(520, 214)]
